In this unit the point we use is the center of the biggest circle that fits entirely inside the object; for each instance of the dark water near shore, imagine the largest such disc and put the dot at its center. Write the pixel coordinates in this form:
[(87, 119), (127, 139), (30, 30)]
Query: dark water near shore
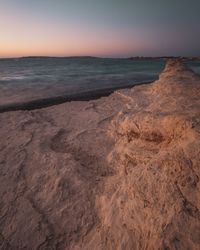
[(32, 78)]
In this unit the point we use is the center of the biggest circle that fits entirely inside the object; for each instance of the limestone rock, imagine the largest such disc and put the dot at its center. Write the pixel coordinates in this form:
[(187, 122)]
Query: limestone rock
[(120, 172)]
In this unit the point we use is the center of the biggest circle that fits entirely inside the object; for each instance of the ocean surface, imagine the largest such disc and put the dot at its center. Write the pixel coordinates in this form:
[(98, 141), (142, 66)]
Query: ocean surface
[(28, 79)]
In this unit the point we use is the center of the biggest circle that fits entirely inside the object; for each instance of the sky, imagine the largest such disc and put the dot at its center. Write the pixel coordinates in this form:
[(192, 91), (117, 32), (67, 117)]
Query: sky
[(106, 28)]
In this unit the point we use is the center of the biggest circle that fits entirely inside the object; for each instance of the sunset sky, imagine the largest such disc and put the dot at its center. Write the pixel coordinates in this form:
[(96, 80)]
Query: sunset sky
[(111, 28)]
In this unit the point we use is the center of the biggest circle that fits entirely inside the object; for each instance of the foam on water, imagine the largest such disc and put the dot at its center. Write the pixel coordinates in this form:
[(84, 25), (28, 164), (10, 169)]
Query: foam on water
[(33, 78)]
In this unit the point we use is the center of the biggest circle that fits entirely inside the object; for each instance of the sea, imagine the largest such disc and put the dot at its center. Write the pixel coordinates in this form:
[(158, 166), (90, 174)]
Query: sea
[(32, 78)]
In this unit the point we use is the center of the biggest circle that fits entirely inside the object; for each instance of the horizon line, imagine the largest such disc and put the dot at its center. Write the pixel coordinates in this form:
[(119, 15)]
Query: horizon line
[(100, 57)]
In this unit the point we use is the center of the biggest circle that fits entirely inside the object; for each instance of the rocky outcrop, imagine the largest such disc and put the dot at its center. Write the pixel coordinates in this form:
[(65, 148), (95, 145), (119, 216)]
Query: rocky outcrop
[(121, 172), (156, 199)]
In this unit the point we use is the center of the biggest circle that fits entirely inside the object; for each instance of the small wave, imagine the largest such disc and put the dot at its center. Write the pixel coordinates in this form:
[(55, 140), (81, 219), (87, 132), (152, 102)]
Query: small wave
[(10, 78)]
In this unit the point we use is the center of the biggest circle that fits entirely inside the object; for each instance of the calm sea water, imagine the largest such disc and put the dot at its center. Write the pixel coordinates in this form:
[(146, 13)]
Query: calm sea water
[(31, 78)]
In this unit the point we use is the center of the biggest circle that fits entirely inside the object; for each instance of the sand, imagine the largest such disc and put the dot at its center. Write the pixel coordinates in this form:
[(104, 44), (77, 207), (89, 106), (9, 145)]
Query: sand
[(120, 172)]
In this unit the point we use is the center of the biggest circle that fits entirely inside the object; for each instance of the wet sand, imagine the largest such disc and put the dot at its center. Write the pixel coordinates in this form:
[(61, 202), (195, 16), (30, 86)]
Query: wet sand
[(51, 101)]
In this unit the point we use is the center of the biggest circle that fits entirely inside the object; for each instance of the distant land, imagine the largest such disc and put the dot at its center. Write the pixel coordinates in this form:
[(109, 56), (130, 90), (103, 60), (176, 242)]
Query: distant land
[(165, 57), (95, 57)]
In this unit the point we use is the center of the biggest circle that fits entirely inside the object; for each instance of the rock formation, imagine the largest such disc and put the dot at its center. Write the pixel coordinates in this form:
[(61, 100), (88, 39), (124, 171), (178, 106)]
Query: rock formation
[(120, 172)]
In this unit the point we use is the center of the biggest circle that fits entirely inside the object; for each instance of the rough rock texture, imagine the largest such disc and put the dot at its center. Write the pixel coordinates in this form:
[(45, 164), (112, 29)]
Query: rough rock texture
[(121, 172)]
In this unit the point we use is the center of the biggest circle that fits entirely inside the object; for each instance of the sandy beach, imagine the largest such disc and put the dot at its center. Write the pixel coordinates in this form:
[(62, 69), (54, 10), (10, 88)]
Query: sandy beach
[(118, 172)]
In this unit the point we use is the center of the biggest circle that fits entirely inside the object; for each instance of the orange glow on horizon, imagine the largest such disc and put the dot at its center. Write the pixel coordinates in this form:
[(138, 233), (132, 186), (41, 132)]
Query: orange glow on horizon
[(48, 39), (80, 46)]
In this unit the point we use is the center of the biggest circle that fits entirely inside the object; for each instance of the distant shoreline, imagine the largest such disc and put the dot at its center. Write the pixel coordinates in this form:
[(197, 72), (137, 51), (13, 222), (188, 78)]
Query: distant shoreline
[(189, 58), (52, 101)]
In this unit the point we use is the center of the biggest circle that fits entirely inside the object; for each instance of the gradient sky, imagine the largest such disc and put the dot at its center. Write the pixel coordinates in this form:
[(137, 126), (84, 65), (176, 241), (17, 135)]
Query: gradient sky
[(112, 28)]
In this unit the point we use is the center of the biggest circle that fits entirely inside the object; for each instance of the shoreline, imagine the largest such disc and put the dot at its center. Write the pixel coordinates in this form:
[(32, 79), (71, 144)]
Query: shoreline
[(119, 172), (52, 101)]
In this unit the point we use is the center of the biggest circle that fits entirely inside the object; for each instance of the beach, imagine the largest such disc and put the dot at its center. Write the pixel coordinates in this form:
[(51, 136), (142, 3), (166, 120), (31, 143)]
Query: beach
[(117, 172), (51, 101)]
